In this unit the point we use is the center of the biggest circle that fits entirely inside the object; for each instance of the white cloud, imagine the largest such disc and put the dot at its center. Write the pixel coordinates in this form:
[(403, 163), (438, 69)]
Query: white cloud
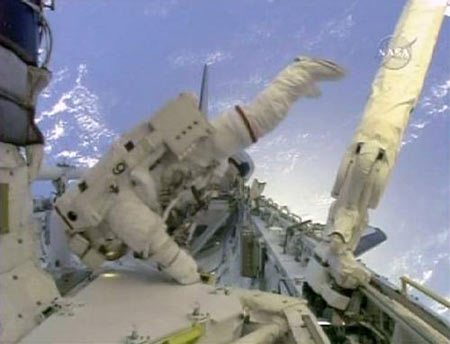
[(57, 78), (73, 125), (67, 154), (426, 276), (436, 100), (56, 132), (216, 56), (420, 125), (342, 28), (433, 105), (413, 262), (220, 105), (187, 58), (87, 161), (337, 29), (57, 108)]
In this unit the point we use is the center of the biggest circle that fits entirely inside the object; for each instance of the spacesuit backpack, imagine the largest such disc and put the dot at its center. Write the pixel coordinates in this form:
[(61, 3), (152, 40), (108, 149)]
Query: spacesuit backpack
[(173, 131)]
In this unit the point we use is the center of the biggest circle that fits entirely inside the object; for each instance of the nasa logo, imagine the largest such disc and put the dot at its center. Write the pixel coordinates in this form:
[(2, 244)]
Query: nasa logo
[(395, 51)]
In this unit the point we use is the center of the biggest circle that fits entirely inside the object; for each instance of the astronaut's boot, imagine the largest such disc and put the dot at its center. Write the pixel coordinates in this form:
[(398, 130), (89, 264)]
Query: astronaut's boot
[(344, 268), (321, 69), (311, 70)]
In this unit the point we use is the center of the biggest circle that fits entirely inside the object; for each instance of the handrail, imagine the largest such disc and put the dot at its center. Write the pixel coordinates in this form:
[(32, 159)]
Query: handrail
[(428, 292)]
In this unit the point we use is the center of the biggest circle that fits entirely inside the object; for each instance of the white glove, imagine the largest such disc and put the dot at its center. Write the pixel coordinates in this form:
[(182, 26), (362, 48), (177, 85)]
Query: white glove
[(183, 269)]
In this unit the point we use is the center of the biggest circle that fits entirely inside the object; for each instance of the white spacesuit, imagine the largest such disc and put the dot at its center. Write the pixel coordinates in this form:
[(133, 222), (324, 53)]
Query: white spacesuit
[(161, 170)]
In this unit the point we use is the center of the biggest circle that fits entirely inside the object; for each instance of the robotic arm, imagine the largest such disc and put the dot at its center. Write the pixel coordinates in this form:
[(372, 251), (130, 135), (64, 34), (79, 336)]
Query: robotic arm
[(367, 165)]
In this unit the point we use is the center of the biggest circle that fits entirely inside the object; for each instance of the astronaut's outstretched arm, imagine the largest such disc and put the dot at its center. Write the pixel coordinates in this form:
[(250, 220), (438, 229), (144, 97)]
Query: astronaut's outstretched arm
[(238, 128), (145, 233)]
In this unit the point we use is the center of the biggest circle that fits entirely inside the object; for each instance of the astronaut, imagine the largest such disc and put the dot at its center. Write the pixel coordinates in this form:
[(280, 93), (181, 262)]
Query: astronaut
[(156, 176)]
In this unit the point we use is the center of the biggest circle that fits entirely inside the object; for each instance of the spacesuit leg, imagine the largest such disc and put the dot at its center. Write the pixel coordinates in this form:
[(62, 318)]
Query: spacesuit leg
[(238, 128), (145, 233)]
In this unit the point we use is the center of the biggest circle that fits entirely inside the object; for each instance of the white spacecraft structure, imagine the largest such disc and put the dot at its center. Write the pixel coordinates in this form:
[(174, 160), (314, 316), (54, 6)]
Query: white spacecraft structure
[(267, 275)]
